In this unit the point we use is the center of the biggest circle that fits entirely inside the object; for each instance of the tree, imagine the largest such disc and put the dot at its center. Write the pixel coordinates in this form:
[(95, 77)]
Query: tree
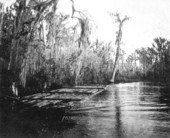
[(118, 42), (160, 47), (154, 60)]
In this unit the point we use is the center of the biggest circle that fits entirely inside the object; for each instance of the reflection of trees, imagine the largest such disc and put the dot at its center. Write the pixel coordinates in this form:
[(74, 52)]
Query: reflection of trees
[(152, 92), (118, 125), (165, 96), (33, 122)]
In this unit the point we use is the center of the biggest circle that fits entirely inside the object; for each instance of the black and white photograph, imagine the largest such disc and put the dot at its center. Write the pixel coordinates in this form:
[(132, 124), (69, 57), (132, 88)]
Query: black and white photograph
[(84, 68)]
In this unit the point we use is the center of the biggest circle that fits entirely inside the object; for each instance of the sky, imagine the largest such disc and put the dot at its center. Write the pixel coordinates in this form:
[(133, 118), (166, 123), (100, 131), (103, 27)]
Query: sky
[(148, 19)]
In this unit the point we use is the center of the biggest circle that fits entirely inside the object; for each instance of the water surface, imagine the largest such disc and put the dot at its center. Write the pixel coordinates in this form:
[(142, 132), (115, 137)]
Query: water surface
[(130, 110)]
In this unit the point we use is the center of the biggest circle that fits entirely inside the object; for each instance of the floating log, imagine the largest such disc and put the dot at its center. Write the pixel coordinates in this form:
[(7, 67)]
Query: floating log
[(72, 90), (92, 95), (64, 97), (36, 96), (89, 87)]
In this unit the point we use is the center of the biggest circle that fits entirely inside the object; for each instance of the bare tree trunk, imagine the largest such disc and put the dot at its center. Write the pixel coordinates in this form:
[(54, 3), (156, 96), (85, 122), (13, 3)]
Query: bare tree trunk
[(118, 42), (116, 63)]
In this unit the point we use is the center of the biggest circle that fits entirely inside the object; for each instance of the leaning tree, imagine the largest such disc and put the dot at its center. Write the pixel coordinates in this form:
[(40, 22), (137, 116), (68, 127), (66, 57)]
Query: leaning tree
[(118, 42)]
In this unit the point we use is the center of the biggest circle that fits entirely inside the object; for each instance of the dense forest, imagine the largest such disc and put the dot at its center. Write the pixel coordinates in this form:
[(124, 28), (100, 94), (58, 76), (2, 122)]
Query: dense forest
[(41, 48), (150, 63)]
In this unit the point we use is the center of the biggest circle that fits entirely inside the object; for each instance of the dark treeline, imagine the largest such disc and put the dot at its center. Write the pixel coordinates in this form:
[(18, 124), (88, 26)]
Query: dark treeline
[(148, 63)]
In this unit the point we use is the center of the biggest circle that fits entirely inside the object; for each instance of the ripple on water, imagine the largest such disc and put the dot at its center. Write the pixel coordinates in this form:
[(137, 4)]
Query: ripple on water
[(130, 110)]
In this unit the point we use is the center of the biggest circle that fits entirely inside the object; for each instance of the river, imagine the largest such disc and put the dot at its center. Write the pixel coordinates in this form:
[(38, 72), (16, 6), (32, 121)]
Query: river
[(129, 110)]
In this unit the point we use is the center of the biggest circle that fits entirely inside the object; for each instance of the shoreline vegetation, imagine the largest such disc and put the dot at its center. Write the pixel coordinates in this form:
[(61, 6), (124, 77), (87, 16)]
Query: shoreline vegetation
[(41, 49)]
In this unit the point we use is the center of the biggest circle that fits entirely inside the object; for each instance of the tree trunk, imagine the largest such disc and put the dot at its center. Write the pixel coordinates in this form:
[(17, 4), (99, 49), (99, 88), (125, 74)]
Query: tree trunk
[(116, 63), (118, 42)]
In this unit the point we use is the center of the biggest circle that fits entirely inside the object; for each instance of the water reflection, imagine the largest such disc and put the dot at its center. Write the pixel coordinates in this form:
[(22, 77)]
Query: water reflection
[(130, 110), (118, 124), (32, 123)]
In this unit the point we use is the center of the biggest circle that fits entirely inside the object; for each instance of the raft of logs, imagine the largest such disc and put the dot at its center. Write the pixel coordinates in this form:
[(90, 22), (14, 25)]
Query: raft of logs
[(61, 98)]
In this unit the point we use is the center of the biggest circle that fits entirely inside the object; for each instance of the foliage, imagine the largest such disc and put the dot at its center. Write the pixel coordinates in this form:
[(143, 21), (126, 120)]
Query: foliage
[(153, 62), (42, 46)]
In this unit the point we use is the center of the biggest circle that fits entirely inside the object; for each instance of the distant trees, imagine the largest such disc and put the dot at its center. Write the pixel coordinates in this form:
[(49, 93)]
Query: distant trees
[(149, 63), (144, 59), (154, 62), (129, 69), (160, 48)]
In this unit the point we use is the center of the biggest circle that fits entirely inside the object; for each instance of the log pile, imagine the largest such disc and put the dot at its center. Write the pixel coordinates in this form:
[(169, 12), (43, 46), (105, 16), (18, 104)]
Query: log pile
[(61, 98)]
